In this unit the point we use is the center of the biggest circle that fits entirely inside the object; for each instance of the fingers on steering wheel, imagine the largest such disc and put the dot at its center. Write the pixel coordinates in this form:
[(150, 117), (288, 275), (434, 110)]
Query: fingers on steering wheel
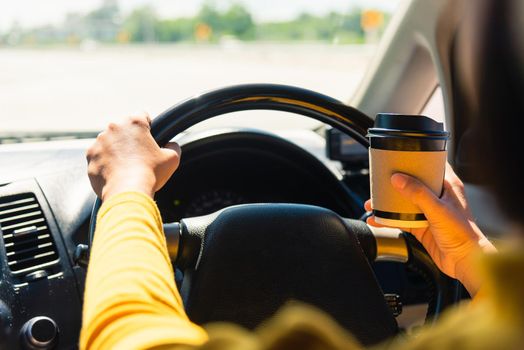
[(140, 118), (173, 146)]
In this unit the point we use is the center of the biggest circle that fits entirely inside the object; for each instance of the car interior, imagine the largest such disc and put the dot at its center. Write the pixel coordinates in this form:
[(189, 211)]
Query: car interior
[(252, 218)]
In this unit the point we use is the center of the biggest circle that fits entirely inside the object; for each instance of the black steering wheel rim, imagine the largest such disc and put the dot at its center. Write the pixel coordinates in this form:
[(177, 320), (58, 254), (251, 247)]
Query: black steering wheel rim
[(253, 97), (258, 97), (261, 96)]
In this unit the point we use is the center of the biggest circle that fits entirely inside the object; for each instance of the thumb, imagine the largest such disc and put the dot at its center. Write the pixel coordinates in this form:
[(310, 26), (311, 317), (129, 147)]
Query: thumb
[(416, 191), (172, 152)]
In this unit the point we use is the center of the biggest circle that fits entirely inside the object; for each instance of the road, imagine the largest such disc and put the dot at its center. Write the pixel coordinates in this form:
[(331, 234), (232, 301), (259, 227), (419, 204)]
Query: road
[(84, 88)]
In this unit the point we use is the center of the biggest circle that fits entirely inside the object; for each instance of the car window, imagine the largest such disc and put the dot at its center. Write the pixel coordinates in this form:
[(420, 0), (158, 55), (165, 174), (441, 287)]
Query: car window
[(76, 65), (434, 108)]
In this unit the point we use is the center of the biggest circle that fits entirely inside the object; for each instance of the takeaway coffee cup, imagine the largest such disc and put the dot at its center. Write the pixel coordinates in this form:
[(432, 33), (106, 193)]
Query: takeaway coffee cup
[(409, 144)]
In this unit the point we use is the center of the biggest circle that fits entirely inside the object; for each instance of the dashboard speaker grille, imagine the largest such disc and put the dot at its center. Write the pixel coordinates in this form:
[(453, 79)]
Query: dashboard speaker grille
[(28, 242)]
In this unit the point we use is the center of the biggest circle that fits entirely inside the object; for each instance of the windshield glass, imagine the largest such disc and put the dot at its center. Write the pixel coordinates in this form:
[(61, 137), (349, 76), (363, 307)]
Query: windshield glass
[(76, 65)]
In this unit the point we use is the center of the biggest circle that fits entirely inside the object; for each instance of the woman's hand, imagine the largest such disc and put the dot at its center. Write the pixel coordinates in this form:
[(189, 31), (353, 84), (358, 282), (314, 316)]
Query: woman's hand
[(452, 238), (125, 157)]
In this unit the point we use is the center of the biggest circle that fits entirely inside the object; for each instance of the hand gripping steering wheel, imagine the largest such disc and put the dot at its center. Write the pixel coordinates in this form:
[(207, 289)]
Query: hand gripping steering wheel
[(242, 263)]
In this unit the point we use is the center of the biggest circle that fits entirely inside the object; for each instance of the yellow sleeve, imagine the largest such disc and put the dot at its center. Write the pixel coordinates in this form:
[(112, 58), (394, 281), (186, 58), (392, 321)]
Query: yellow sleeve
[(131, 300)]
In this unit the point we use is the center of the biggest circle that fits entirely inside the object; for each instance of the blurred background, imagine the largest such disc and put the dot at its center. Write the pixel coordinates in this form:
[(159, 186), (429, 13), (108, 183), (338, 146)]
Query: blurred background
[(76, 65)]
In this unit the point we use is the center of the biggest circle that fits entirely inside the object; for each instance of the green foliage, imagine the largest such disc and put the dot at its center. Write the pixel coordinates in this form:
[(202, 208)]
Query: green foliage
[(172, 30), (209, 15), (238, 22), (343, 28), (105, 13), (141, 24), (106, 24)]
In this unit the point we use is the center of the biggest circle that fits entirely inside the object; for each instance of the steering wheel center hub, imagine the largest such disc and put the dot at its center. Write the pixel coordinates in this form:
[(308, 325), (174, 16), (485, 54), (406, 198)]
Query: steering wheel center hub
[(270, 254)]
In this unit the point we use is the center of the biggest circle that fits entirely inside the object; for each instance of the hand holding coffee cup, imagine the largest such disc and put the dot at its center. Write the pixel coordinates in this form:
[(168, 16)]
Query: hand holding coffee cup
[(410, 144)]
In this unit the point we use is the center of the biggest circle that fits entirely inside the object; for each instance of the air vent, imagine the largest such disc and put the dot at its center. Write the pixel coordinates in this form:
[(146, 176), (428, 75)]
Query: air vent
[(28, 242)]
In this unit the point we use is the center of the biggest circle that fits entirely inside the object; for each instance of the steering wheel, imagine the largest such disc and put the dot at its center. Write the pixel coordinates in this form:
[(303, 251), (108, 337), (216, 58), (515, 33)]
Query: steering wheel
[(242, 263)]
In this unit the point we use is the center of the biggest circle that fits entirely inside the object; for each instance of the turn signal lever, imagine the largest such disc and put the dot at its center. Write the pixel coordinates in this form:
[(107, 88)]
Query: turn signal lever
[(382, 244), (171, 231), (81, 255)]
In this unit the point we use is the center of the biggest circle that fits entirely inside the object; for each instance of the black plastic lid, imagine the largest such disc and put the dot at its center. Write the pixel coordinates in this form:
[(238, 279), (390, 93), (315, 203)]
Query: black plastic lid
[(404, 125)]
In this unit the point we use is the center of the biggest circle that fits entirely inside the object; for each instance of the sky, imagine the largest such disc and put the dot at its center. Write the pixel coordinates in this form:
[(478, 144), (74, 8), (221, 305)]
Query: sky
[(30, 13)]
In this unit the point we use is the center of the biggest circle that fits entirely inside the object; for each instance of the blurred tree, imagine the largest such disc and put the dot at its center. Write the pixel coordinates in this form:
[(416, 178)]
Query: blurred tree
[(333, 27), (103, 23), (74, 26), (210, 16), (14, 34), (141, 24), (107, 12), (351, 22), (238, 22), (172, 30)]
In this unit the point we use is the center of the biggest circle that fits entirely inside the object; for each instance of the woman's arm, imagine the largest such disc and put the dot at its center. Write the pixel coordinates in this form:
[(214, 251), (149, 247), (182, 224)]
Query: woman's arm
[(131, 300)]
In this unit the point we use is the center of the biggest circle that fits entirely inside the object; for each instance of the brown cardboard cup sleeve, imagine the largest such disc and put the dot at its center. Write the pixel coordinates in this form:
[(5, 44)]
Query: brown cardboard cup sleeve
[(389, 206)]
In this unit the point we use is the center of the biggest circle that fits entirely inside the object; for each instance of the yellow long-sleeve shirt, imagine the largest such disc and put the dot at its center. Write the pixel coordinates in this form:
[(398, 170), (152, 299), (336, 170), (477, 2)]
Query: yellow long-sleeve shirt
[(131, 300)]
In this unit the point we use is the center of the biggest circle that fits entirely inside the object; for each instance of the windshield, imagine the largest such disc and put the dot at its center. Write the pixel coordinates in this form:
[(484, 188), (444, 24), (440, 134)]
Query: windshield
[(76, 65)]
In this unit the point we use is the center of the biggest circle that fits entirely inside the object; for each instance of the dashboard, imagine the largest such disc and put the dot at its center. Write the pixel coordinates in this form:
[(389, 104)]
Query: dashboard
[(46, 201), (233, 168)]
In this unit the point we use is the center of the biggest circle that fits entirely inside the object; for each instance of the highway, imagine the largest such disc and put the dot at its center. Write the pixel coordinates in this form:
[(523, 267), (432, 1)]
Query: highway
[(83, 88)]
